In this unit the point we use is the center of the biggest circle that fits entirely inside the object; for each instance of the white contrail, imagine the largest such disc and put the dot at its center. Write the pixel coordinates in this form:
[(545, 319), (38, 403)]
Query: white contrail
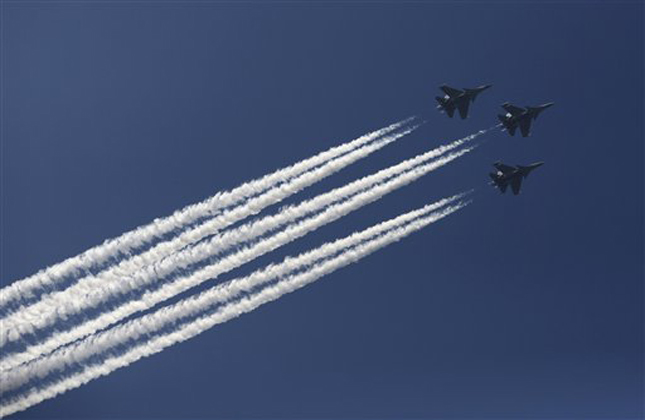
[(51, 306), (234, 260), (92, 291), (122, 245), (225, 313), (149, 324)]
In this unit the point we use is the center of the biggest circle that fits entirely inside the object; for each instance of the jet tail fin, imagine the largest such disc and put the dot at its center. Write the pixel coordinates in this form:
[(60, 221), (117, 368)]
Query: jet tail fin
[(499, 185), (507, 125), (447, 107), (510, 127)]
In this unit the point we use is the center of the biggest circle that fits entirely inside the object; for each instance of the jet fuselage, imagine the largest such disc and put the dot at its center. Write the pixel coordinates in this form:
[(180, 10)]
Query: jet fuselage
[(458, 99), (506, 176)]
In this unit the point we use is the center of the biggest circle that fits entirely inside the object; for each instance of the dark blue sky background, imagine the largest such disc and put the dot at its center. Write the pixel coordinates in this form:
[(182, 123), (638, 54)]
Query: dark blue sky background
[(517, 307)]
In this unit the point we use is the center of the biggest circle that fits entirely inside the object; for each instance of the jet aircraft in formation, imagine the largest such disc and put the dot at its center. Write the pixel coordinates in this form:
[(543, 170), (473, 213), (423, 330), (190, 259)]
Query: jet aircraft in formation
[(515, 117), (511, 175), (522, 117), (459, 99)]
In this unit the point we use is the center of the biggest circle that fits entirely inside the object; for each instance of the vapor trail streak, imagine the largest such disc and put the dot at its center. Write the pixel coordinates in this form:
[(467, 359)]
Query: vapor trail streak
[(77, 297), (49, 277), (229, 262), (92, 291), (148, 324), (232, 310)]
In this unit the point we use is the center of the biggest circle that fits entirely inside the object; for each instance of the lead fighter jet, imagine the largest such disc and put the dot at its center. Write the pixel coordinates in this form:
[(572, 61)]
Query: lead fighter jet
[(517, 116), (460, 99), (506, 175)]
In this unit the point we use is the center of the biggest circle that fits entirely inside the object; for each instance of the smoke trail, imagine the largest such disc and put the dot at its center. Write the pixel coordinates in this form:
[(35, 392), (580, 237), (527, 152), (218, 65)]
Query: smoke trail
[(92, 291), (122, 245), (151, 323), (234, 260), (52, 306), (226, 313)]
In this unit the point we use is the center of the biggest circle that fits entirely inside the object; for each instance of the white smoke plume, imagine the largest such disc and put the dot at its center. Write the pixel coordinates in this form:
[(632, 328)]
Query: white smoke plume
[(227, 312), (94, 290), (78, 352), (48, 278), (52, 306), (234, 260)]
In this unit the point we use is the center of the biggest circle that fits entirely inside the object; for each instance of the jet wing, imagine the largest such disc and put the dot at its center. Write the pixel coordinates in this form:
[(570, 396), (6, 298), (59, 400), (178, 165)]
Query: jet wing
[(505, 169), (525, 126), (512, 109), (462, 106), (501, 185), (452, 92), (516, 183)]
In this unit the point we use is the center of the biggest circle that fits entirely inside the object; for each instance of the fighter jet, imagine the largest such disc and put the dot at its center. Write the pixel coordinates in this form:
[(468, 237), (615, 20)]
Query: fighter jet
[(506, 175), (460, 99), (517, 116)]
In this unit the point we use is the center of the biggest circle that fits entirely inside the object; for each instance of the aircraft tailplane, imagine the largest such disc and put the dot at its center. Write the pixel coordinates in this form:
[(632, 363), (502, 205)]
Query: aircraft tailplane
[(504, 120)]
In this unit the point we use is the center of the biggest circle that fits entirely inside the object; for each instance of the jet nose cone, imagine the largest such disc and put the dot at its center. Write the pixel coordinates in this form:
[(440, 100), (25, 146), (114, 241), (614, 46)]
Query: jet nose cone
[(537, 165), (548, 105)]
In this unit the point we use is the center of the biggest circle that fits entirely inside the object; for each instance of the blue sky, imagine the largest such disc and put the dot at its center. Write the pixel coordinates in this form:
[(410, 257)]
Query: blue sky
[(115, 113)]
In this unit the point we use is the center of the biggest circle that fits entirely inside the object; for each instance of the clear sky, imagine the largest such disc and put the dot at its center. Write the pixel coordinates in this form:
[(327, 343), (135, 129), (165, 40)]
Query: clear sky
[(117, 112)]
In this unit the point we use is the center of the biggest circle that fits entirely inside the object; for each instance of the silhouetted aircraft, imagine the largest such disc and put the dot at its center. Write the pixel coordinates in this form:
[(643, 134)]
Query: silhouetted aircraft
[(460, 99), (508, 175), (517, 116)]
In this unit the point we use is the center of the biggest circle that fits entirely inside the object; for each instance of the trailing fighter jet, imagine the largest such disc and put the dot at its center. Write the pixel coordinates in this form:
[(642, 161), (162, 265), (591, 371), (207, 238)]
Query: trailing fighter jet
[(517, 116), (506, 175), (460, 99)]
